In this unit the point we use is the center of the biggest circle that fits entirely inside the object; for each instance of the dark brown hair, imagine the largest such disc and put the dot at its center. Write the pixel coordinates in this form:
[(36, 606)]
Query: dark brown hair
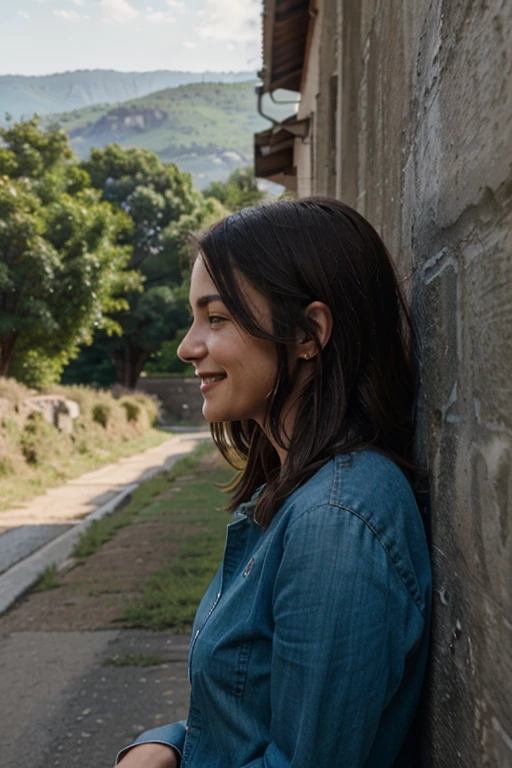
[(362, 391)]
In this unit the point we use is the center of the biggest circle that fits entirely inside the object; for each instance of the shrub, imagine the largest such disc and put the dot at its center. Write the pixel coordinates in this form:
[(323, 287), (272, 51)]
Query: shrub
[(40, 440), (101, 413), (34, 454), (132, 409), (6, 466)]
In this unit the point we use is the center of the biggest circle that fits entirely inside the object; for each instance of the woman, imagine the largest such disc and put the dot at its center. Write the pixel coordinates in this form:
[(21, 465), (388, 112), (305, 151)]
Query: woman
[(309, 647)]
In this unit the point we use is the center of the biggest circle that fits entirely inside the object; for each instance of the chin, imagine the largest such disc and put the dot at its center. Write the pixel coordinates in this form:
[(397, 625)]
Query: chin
[(215, 414), (212, 414)]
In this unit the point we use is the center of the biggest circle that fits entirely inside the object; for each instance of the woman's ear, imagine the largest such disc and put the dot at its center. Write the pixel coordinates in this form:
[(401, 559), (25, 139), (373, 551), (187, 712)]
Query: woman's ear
[(320, 316)]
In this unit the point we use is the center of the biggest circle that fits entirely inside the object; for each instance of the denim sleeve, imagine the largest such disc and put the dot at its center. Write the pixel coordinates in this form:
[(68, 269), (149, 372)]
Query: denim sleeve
[(173, 735), (338, 655)]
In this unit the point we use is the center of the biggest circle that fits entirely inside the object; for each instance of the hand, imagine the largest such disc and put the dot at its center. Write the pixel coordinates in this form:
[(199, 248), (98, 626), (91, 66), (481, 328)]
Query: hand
[(150, 756)]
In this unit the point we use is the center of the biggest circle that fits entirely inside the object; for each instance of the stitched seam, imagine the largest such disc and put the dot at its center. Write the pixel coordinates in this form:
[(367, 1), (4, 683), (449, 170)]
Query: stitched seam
[(375, 533), (388, 553)]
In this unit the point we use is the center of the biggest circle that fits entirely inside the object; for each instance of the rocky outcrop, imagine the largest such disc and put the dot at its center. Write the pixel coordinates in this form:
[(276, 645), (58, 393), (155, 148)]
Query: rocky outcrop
[(56, 410), (123, 121)]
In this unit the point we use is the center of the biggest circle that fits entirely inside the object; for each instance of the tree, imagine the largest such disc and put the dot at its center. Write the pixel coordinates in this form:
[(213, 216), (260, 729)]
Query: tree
[(164, 210), (63, 255), (239, 191)]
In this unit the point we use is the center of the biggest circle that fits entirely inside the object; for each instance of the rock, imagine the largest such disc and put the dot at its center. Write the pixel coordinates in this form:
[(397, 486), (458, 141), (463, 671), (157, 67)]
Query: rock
[(55, 409)]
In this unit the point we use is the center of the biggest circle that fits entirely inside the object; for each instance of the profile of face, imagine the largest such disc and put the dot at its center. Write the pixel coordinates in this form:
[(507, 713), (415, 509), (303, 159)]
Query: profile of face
[(237, 370)]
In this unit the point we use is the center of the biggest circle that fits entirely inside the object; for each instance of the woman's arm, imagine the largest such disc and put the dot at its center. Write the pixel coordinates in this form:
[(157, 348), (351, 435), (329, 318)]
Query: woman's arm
[(164, 745), (150, 756), (344, 623)]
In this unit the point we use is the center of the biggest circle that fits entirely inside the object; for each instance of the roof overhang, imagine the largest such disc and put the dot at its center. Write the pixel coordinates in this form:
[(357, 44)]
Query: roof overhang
[(273, 151), (285, 32)]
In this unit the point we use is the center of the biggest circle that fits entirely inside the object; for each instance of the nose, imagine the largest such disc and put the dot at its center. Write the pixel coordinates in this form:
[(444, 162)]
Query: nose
[(192, 347)]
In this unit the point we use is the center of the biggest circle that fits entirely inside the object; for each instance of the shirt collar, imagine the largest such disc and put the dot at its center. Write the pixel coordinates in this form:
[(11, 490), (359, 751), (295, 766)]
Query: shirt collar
[(246, 508)]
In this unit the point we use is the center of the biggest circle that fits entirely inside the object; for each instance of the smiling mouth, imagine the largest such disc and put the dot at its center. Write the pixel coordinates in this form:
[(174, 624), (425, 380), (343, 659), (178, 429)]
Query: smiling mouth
[(212, 379)]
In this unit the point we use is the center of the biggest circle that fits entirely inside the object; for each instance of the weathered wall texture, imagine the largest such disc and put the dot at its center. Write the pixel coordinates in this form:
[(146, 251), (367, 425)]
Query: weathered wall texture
[(423, 146), (181, 398)]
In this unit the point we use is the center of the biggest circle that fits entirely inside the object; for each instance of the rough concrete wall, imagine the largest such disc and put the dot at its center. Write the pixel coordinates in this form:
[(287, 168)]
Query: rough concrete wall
[(181, 398), (426, 138)]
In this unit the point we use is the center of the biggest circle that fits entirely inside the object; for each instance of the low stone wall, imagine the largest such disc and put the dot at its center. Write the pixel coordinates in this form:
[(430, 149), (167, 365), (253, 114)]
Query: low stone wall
[(180, 398)]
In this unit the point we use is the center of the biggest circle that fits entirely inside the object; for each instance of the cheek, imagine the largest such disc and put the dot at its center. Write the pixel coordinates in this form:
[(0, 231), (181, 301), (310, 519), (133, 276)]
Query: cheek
[(260, 367)]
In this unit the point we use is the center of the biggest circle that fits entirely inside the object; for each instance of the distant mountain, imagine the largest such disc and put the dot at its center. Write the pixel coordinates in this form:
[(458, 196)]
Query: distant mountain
[(21, 96), (205, 128)]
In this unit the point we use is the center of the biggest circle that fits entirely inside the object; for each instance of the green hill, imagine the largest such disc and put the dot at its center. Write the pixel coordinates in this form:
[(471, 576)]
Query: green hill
[(205, 128), (21, 96)]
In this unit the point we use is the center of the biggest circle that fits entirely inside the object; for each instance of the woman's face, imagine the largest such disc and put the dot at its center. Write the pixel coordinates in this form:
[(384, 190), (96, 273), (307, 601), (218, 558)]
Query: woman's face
[(237, 370)]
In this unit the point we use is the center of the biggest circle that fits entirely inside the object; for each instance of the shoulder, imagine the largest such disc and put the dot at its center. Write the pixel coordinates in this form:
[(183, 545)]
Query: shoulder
[(369, 492), (366, 482)]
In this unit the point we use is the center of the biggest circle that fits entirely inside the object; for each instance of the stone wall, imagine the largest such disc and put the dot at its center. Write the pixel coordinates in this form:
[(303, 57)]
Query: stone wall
[(181, 399), (423, 147)]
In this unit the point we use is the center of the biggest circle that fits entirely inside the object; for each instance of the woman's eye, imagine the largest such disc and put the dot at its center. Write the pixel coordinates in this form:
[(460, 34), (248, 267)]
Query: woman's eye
[(216, 319)]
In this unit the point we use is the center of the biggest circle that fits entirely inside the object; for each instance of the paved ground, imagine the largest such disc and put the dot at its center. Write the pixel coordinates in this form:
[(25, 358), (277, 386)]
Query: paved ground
[(18, 543), (60, 706)]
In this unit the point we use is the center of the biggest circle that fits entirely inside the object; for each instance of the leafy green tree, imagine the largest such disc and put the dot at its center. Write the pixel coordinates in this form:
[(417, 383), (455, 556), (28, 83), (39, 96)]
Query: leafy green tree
[(63, 255), (165, 211), (239, 191)]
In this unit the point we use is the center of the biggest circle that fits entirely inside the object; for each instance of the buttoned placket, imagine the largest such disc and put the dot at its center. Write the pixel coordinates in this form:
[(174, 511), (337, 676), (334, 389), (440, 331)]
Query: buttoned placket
[(232, 557)]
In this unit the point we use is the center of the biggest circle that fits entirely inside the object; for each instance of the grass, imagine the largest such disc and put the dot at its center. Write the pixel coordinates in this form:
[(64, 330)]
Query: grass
[(34, 481), (35, 455), (134, 660), (169, 597), (48, 579), (180, 512), (193, 512), (139, 505)]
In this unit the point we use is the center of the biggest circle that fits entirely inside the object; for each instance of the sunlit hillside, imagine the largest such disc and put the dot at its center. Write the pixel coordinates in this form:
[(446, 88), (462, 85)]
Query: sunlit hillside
[(205, 128)]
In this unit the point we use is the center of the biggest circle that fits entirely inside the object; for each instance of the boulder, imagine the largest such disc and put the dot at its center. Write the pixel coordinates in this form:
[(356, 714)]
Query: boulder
[(55, 409)]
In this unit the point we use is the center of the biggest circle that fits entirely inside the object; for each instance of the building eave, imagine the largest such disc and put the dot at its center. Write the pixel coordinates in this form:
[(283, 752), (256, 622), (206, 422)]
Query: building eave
[(285, 31)]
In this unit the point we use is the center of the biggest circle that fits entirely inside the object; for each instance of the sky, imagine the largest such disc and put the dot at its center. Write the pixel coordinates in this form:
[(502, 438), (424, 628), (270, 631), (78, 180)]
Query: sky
[(45, 36)]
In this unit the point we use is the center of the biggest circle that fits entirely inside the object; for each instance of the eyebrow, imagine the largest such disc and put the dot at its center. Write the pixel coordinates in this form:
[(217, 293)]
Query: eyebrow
[(203, 301)]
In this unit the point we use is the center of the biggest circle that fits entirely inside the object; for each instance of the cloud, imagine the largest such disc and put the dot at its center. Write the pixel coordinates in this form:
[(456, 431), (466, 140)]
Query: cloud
[(159, 17), (62, 13), (117, 10), (235, 20), (78, 2), (24, 14), (179, 4), (187, 44)]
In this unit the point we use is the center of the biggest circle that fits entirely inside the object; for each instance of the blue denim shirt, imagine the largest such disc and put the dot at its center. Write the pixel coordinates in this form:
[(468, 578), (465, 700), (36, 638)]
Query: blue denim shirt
[(309, 647)]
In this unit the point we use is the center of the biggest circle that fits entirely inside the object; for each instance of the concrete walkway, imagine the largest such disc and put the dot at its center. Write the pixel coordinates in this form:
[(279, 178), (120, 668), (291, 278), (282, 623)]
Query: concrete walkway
[(63, 704), (43, 531)]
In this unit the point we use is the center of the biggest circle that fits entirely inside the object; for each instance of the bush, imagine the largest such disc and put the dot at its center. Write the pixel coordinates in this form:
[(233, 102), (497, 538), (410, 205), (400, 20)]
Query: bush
[(6, 466), (39, 440), (35, 454), (132, 409), (101, 413)]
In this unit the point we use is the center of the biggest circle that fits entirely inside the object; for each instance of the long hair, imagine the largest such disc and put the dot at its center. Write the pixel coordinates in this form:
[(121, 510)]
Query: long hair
[(362, 389)]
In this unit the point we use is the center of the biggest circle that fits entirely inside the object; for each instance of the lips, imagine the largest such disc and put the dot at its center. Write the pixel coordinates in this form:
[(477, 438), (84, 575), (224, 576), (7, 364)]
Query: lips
[(209, 379)]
